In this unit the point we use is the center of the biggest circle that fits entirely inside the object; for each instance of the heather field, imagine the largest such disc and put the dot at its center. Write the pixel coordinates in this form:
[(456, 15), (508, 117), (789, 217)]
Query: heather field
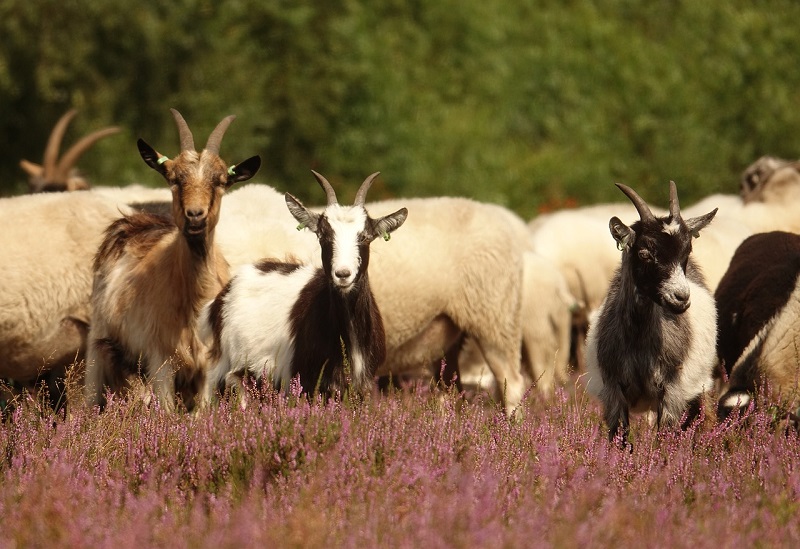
[(407, 469)]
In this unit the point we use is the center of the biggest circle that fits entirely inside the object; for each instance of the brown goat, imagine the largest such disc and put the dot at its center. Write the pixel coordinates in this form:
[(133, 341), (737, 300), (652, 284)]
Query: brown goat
[(152, 274), (61, 175)]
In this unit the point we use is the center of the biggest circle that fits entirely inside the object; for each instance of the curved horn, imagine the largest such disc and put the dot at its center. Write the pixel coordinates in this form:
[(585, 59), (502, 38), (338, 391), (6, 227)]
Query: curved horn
[(641, 205), (187, 141), (674, 206), (361, 195), (214, 140), (54, 143), (329, 192), (71, 157), (33, 170)]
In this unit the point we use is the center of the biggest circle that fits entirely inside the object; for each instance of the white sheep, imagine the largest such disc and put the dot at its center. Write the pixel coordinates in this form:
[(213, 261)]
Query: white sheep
[(152, 274), (651, 343), (546, 315), (278, 320), (48, 243)]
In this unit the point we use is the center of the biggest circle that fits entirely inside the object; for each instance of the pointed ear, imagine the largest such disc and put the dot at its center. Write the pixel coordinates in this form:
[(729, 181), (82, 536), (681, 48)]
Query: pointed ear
[(243, 170), (623, 234), (301, 214), (387, 224), (695, 224), (151, 157)]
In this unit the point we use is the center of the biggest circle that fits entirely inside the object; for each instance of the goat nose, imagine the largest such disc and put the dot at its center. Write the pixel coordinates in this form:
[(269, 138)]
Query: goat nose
[(342, 273), (195, 213), (682, 295)]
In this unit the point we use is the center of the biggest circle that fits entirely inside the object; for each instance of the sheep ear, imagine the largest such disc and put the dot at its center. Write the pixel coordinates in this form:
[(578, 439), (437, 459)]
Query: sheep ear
[(301, 214), (623, 234), (243, 170), (695, 224), (152, 158), (387, 224)]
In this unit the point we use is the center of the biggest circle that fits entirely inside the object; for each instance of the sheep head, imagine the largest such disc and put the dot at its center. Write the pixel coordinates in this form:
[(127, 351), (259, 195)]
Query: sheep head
[(198, 179), (345, 232), (770, 179), (55, 175)]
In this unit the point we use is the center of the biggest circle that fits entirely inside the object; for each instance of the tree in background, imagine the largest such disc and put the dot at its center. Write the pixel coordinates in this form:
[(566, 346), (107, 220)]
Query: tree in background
[(525, 103)]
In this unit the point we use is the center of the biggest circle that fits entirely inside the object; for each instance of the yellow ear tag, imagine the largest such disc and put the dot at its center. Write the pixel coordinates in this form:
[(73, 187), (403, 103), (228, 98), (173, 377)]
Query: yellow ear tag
[(301, 226), (386, 236)]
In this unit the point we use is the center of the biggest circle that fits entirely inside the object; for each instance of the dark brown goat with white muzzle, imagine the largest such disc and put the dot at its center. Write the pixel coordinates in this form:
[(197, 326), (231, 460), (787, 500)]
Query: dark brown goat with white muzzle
[(153, 273), (280, 320), (651, 343)]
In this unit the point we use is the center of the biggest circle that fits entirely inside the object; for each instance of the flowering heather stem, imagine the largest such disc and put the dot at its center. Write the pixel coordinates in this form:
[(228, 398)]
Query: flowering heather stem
[(407, 469)]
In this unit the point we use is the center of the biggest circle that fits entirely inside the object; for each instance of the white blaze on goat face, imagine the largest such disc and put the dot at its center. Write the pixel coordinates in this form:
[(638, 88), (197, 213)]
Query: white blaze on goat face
[(673, 227), (347, 224)]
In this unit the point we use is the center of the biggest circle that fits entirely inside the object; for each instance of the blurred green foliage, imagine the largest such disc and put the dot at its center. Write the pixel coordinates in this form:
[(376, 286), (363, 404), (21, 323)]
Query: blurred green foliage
[(527, 103)]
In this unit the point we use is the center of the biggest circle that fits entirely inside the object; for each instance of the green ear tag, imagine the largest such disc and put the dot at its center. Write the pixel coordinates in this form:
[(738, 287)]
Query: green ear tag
[(162, 159), (301, 226), (232, 170), (620, 245), (386, 236), (696, 234)]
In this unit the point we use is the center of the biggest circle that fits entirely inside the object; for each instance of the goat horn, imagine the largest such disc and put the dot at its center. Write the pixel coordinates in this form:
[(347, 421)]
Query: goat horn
[(214, 140), (329, 192), (641, 205), (674, 206), (71, 157), (187, 141), (54, 143), (33, 170), (361, 195)]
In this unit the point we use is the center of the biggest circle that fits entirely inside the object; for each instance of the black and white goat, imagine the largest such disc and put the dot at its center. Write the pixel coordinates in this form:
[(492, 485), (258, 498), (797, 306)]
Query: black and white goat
[(647, 348), (759, 320), (279, 320)]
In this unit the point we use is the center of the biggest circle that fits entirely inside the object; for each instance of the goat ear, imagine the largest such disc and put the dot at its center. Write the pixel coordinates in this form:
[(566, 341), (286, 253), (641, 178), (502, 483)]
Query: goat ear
[(623, 234), (151, 157), (243, 170), (387, 224), (695, 224), (301, 214)]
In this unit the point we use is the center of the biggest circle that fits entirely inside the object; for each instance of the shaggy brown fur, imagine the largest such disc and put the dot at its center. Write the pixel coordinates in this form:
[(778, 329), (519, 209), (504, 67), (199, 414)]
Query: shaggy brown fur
[(152, 274)]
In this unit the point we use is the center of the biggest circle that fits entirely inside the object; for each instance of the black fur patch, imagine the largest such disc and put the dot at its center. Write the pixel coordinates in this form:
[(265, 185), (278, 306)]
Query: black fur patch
[(320, 319), (757, 285), (272, 266), (216, 321)]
